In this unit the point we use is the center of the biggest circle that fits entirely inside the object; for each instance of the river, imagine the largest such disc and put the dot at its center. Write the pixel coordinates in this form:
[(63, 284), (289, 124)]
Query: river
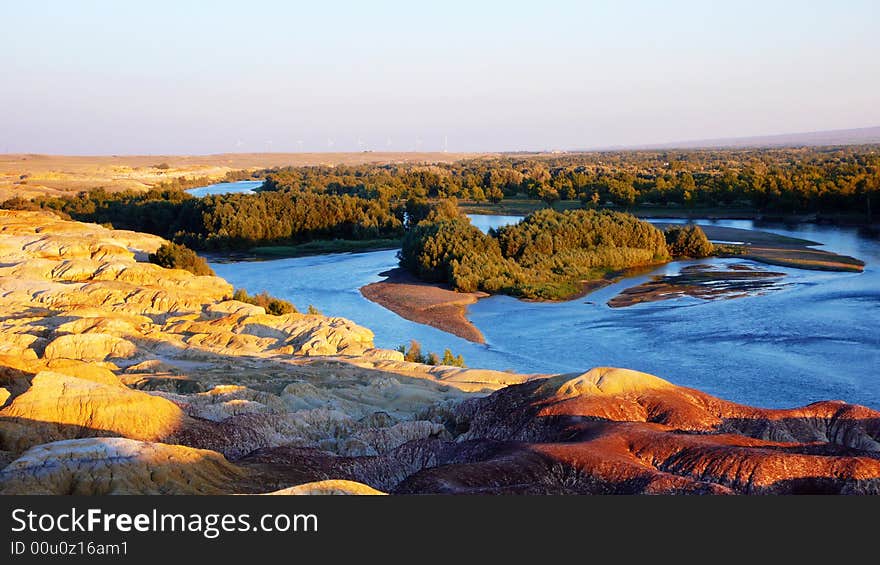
[(245, 186), (816, 339)]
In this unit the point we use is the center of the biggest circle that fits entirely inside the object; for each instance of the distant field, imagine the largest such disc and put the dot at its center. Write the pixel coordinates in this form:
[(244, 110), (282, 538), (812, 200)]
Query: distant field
[(29, 175)]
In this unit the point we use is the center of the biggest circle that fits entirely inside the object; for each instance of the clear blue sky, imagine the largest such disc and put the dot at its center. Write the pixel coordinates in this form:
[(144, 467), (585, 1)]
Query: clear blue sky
[(95, 77)]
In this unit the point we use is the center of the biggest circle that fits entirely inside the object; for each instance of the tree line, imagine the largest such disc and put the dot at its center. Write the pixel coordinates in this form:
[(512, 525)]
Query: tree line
[(781, 180), (231, 221)]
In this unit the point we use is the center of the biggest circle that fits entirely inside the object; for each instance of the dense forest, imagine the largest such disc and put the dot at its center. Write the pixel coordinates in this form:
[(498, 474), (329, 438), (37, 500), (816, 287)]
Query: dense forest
[(780, 180), (548, 255), (382, 202), (232, 221)]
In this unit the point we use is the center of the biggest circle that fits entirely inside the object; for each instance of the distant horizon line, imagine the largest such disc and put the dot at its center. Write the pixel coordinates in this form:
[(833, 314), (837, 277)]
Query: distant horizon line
[(869, 135)]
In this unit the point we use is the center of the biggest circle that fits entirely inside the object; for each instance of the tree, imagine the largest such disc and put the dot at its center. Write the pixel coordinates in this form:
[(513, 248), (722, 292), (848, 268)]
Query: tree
[(622, 194), (495, 194), (548, 194), (414, 354), (688, 241), (451, 360), (448, 358), (174, 256)]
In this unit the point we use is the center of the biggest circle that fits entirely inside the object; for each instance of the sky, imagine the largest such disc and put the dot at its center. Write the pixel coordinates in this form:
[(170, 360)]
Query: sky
[(187, 77)]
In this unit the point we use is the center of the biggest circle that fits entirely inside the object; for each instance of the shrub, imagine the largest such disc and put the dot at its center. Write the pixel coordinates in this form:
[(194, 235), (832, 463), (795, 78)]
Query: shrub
[(272, 305), (313, 311), (414, 353), (175, 256), (449, 359), (688, 241)]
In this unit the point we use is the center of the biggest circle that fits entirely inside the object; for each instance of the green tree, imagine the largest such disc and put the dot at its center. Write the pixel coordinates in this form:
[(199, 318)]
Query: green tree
[(414, 353), (548, 194), (688, 241), (452, 360), (174, 256)]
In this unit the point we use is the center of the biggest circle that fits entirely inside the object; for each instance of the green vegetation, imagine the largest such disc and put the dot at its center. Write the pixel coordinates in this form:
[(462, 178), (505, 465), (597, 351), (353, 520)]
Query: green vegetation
[(414, 355), (272, 305), (358, 202), (452, 360), (322, 246), (303, 205), (788, 180), (174, 256), (232, 221), (688, 241), (313, 311), (549, 255)]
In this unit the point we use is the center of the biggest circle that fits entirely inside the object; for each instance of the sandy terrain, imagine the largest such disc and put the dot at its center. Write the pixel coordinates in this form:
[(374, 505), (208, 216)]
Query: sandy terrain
[(59, 174), (701, 281), (431, 304), (773, 249)]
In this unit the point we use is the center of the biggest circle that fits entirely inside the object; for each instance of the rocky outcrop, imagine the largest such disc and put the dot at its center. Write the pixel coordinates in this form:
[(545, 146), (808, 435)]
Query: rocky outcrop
[(118, 466), (90, 347), (619, 431), (57, 406)]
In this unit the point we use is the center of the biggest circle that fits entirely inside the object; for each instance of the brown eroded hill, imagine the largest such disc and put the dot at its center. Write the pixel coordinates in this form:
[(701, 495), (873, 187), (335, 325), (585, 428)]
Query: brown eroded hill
[(118, 376)]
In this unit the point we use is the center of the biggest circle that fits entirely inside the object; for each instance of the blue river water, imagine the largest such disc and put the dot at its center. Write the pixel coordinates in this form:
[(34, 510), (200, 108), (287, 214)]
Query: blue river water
[(818, 338), (226, 188)]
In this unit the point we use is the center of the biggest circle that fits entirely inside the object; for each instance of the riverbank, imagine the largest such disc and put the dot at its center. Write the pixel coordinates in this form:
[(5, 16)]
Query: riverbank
[(435, 305), (780, 250), (525, 206), (318, 247)]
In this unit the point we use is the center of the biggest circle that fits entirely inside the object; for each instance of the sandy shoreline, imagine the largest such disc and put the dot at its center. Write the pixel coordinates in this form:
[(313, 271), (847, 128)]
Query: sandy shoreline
[(426, 303), (774, 249)]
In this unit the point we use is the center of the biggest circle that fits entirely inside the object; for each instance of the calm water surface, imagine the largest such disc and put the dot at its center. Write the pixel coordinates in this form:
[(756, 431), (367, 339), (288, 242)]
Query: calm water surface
[(226, 188), (816, 339)]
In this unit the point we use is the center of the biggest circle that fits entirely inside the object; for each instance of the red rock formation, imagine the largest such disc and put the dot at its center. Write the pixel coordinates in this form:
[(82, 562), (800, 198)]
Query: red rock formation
[(619, 431)]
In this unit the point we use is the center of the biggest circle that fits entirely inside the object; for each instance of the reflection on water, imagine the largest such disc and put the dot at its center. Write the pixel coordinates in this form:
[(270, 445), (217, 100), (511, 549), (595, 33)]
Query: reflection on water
[(817, 338)]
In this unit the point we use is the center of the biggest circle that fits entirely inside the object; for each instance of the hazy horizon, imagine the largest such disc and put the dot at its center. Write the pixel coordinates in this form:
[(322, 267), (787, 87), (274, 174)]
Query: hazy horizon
[(95, 78)]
